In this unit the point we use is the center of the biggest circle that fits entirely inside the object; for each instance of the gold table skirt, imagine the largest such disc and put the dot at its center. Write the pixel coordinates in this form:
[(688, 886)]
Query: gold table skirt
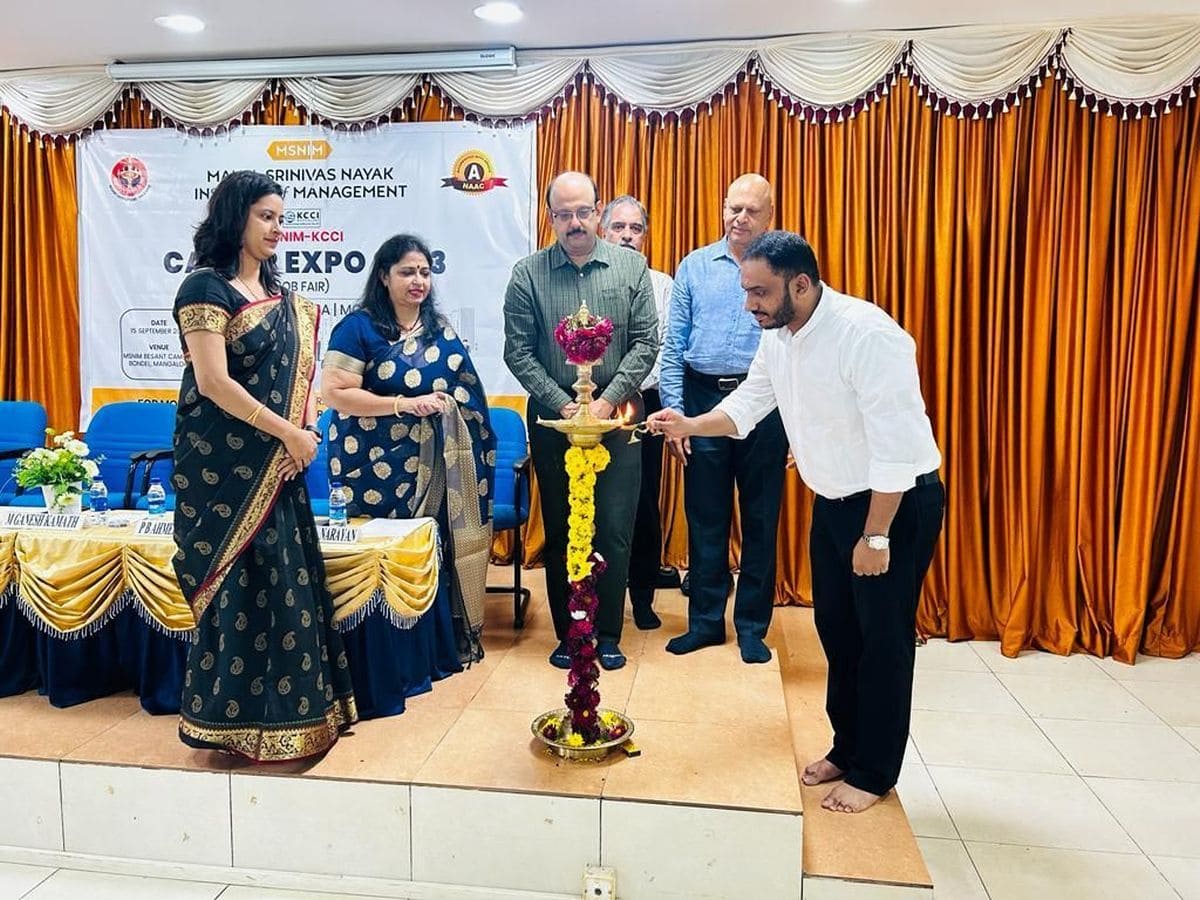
[(72, 583)]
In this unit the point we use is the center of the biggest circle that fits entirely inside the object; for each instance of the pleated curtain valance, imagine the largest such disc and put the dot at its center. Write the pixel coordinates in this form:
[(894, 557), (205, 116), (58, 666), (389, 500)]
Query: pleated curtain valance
[(1127, 67)]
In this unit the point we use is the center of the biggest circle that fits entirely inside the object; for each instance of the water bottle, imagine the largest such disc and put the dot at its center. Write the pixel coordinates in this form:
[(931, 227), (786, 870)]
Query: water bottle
[(98, 495), (337, 504), (156, 497)]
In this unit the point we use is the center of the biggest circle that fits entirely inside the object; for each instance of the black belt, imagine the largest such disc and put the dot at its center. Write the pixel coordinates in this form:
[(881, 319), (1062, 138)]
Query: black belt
[(920, 481), (723, 383)]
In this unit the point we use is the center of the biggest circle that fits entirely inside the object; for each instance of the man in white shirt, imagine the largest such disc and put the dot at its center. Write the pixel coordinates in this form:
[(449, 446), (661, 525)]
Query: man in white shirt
[(624, 222), (843, 376)]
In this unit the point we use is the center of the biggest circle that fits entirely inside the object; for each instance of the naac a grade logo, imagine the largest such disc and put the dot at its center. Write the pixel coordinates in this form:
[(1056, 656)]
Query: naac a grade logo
[(474, 174)]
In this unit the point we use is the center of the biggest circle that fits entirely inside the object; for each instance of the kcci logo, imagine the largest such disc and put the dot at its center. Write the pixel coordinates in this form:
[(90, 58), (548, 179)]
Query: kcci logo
[(302, 217)]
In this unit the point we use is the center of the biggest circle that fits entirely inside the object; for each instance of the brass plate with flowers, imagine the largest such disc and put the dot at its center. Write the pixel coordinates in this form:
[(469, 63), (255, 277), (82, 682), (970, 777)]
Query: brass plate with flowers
[(554, 730)]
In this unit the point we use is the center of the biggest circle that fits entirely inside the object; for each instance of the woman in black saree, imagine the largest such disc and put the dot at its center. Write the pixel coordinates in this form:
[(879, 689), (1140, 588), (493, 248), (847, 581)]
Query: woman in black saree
[(266, 675)]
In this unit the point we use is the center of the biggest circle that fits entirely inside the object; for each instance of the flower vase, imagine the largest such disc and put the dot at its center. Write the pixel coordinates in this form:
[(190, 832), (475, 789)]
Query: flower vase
[(72, 501)]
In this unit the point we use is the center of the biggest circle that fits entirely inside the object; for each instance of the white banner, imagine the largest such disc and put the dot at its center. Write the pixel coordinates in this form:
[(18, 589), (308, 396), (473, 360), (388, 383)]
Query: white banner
[(467, 191)]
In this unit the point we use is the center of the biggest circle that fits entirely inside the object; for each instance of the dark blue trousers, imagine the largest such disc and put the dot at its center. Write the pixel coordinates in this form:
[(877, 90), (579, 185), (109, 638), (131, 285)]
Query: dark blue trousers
[(756, 466)]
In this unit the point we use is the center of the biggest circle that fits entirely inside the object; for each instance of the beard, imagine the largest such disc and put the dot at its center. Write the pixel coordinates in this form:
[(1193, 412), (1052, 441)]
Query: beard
[(784, 315)]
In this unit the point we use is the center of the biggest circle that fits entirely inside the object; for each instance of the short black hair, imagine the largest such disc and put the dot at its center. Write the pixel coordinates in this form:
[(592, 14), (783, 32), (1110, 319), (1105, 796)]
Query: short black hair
[(218, 239), (550, 186), (786, 254)]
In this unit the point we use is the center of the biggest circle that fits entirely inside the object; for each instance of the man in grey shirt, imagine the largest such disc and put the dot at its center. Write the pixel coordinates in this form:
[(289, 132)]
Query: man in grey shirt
[(544, 288)]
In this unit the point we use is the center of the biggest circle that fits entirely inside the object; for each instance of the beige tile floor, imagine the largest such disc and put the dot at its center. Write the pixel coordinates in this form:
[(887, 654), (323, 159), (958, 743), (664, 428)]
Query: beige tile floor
[(1090, 788), (1039, 777)]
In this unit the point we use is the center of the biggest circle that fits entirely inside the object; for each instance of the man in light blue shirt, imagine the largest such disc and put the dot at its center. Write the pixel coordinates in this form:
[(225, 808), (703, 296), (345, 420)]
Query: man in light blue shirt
[(711, 340)]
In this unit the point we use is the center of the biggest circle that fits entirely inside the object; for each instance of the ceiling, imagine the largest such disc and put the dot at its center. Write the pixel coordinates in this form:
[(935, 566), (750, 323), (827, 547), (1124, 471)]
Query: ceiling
[(80, 32)]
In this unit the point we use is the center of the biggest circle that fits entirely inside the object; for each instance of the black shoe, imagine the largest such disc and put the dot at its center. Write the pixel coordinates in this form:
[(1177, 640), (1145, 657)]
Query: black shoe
[(560, 658), (610, 655), (685, 586), (667, 579), (690, 640), (642, 602)]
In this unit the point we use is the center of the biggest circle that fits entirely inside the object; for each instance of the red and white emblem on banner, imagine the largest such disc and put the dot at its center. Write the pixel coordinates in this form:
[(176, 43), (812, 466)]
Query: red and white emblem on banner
[(129, 178)]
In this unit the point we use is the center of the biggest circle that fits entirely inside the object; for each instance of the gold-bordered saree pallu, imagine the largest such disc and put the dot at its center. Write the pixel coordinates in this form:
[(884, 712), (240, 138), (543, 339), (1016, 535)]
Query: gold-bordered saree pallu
[(266, 675)]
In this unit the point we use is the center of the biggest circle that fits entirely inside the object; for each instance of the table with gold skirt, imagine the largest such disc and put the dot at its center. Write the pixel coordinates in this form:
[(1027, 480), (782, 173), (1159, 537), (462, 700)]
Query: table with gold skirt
[(96, 611)]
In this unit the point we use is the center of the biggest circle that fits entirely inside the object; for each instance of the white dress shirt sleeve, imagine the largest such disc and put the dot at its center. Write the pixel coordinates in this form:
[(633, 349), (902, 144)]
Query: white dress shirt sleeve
[(883, 373), (754, 399), (663, 284)]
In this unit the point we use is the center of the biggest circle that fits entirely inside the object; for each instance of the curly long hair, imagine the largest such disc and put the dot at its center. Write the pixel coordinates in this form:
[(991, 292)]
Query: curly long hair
[(218, 239), (377, 302)]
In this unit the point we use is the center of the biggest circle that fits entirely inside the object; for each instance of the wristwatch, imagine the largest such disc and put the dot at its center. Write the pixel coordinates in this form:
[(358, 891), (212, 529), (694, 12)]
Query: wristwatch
[(876, 541)]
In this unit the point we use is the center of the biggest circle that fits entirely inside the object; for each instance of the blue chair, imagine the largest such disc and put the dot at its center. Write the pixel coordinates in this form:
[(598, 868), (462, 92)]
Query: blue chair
[(22, 428), (316, 476), (510, 498), (134, 437)]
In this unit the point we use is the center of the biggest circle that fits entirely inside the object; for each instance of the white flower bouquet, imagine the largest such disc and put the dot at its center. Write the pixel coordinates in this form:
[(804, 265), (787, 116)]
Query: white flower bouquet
[(62, 467)]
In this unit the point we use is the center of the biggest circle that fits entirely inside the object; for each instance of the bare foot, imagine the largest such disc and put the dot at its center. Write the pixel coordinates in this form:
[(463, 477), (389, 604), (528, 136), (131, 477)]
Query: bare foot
[(845, 798), (820, 772)]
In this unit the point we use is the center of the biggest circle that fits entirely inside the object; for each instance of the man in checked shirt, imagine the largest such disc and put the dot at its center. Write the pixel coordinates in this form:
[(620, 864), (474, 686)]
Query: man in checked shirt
[(545, 287)]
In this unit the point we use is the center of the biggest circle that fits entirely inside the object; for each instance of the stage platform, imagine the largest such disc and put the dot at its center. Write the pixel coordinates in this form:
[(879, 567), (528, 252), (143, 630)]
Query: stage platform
[(455, 799)]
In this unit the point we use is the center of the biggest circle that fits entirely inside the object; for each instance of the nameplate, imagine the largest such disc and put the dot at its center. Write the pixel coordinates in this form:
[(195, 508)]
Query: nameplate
[(392, 528), (155, 528), (42, 521), (337, 534)]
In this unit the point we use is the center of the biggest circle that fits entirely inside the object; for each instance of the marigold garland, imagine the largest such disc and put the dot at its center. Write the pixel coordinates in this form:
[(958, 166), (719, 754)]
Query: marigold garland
[(583, 568)]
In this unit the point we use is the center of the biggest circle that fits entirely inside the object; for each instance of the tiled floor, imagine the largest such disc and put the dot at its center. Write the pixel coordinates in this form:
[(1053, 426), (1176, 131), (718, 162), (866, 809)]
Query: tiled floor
[(33, 883), (1052, 777), (1037, 777)]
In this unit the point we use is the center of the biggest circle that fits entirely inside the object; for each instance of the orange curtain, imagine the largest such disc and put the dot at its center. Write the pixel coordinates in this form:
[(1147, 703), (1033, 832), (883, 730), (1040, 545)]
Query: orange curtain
[(39, 297), (1044, 260)]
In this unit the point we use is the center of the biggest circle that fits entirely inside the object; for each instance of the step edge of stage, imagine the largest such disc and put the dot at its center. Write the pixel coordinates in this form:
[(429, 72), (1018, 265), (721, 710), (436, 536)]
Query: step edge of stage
[(251, 772), (797, 637)]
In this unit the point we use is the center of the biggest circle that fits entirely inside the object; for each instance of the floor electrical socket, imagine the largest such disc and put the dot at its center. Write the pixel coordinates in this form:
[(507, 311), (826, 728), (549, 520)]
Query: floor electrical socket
[(599, 883)]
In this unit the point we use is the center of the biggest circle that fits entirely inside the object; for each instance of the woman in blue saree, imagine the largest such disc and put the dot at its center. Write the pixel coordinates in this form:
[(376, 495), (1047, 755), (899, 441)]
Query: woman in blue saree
[(267, 676), (411, 437)]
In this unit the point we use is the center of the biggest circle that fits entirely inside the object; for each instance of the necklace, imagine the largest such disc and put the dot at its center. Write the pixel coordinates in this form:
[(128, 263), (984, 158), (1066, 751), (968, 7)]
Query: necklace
[(253, 296)]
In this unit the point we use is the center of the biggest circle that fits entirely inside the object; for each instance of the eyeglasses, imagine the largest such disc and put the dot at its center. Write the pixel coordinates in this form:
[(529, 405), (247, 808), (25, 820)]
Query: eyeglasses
[(563, 216)]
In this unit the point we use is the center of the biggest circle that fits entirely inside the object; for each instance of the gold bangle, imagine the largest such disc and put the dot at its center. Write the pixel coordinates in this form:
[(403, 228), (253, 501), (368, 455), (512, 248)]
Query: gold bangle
[(396, 405), (254, 415)]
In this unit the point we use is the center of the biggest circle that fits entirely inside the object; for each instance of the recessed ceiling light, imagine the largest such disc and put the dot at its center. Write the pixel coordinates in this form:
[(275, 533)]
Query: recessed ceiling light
[(182, 24), (500, 12)]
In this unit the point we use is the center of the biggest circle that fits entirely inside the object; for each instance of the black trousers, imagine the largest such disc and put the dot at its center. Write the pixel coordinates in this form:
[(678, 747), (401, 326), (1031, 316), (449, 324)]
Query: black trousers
[(646, 555), (756, 466), (616, 502), (867, 626)]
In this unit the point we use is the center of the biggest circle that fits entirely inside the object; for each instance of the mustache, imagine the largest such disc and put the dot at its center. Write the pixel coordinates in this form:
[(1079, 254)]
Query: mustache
[(575, 231)]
